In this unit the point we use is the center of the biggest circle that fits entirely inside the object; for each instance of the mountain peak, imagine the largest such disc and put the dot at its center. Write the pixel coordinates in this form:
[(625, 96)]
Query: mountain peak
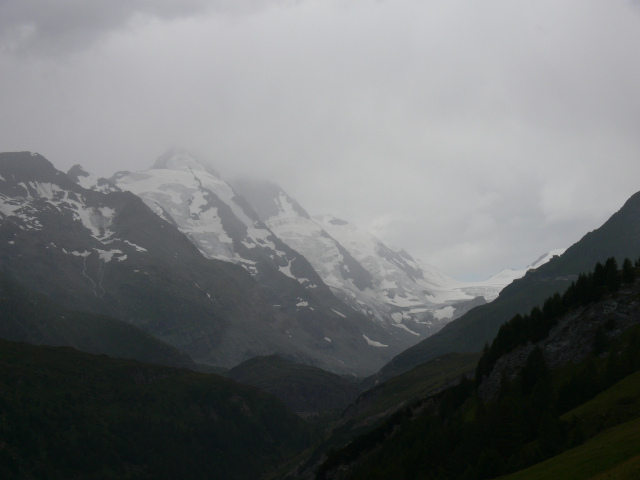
[(87, 180), (28, 165), (268, 199), (178, 159), (78, 171)]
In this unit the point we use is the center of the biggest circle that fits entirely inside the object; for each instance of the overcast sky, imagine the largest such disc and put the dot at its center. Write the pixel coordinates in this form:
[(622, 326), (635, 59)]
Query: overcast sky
[(476, 135)]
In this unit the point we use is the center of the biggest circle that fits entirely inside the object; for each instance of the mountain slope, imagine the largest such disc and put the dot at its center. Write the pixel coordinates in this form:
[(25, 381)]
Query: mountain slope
[(410, 299), (618, 237), (28, 317), (107, 253), (402, 324)]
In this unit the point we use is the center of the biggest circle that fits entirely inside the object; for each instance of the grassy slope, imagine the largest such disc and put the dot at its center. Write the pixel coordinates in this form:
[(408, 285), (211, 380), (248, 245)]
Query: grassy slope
[(375, 406), (413, 385), (614, 453)]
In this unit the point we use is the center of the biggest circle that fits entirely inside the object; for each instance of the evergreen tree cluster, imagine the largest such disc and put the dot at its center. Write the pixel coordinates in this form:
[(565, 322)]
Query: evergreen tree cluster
[(469, 439), (535, 326)]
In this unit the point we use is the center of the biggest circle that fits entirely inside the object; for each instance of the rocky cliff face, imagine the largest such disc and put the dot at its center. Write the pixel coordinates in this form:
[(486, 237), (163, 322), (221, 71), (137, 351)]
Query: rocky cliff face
[(573, 338)]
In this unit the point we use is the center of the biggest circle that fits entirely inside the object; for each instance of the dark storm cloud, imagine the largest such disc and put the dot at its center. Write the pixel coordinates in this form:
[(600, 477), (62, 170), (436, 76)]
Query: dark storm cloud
[(59, 26)]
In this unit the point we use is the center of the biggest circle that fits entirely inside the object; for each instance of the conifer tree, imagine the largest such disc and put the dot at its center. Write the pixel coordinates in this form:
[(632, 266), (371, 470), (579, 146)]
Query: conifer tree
[(628, 272)]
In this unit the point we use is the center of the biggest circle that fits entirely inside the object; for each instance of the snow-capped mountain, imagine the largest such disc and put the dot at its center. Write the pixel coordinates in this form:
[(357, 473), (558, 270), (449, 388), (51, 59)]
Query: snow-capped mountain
[(107, 252), (192, 196), (146, 248), (300, 267), (218, 221), (503, 278), (386, 284)]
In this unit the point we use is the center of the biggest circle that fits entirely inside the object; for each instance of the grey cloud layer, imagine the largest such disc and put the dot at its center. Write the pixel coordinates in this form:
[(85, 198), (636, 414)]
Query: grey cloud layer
[(53, 26), (477, 135)]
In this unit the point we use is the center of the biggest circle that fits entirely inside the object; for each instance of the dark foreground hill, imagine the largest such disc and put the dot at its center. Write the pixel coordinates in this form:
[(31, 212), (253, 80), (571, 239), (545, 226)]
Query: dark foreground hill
[(303, 388), (618, 237), (72, 415)]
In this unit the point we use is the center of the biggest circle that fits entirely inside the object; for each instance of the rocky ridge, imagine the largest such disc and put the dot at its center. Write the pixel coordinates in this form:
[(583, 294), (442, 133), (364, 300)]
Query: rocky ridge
[(573, 338)]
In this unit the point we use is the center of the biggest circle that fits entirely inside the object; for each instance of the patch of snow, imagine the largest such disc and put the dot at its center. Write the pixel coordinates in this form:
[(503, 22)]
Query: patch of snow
[(286, 209), (46, 190), (405, 302), (413, 311), (287, 270), (404, 327), (8, 206), (137, 247), (107, 212), (386, 284), (373, 343), (446, 312), (107, 255)]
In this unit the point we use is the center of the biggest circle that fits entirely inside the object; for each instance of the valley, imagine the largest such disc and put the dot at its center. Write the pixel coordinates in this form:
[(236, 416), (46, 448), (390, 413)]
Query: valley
[(167, 323)]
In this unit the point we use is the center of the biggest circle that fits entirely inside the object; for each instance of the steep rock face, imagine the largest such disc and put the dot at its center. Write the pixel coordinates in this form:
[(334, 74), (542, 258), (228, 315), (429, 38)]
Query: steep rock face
[(573, 338)]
